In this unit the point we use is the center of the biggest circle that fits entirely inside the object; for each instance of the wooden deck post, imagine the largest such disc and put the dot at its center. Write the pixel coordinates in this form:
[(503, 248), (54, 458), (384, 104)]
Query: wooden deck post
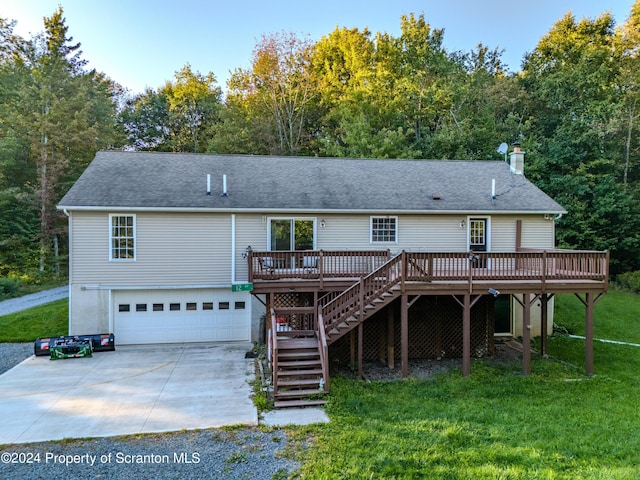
[(270, 306), (360, 350), (588, 334), (404, 335), (352, 349), (390, 338), (526, 335), (544, 301), (466, 335)]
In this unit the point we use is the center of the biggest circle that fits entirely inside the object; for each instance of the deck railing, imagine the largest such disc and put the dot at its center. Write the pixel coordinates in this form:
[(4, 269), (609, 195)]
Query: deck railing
[(313, 264), (533, 265)]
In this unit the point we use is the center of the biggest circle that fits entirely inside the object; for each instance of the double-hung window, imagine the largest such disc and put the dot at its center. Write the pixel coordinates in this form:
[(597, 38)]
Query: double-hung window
[(122, 235), (384, 229)]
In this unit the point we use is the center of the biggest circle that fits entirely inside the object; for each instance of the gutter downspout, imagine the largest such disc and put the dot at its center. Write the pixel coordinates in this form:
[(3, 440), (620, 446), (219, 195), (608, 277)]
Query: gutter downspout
[(70, 303), (233, 248)]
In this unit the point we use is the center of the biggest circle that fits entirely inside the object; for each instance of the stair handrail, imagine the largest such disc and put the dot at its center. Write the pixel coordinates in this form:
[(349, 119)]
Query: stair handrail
[(274, 351), (345, 298), (323, 348)]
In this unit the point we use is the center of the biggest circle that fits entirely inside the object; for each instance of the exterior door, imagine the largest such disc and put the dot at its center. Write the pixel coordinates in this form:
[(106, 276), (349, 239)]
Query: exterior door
[(478, 240), (478, 234), (502, 315), (289, 234)]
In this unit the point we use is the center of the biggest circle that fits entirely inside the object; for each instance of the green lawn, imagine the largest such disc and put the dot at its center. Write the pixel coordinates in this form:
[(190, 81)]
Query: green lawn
[(554, 424), (495, 424), (44, 321)]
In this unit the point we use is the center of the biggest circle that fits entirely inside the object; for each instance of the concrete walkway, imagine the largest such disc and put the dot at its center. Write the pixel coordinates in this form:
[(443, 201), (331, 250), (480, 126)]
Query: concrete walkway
[(33, 300), (136, 389)]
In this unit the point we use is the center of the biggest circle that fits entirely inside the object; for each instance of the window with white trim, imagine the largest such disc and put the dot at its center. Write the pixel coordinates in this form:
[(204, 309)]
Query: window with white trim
[(122, 237), (384, 229)]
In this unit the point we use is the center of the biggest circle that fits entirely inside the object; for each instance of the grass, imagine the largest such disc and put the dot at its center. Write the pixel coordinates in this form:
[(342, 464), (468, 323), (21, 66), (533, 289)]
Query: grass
[(43, 321), (554, 424), (494, 424), (19, 286)]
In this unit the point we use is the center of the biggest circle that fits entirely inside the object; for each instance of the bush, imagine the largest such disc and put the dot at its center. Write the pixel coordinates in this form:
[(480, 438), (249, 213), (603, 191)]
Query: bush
[(629, 281), (8, 287)]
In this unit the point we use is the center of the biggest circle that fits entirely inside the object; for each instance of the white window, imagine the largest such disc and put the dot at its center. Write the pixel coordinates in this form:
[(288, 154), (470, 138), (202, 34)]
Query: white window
[(384, 229), (123, 237)]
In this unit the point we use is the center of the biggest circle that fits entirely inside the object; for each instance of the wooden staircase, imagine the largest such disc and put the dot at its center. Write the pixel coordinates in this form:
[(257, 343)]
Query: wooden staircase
[(300, 364), (352, 321), (298, 376), (369, 295)]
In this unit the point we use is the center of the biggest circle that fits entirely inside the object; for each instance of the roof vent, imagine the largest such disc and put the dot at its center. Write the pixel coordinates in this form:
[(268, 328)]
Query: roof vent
[(435, 196), (224, 186), (208, 184)]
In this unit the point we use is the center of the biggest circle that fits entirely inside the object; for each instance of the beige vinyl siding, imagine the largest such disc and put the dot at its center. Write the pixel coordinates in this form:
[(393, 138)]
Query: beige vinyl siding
[(418, 233), (503, 233), (538, 232), (195, 248), (251, 231), (352, 232), (171, 249)]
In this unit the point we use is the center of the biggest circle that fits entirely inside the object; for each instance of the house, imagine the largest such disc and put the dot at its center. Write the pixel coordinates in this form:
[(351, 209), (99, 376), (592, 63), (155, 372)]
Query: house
[(325, 259)]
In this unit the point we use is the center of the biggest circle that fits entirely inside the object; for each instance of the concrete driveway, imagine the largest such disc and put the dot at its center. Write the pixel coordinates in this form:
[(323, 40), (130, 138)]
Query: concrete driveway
[(136, 389)]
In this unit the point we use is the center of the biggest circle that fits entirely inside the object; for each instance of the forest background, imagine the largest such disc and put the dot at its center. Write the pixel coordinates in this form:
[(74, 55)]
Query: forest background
[(574, 107)]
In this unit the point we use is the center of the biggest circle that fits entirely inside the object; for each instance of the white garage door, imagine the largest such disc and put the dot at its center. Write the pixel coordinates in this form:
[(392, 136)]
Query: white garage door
[(177, 316)]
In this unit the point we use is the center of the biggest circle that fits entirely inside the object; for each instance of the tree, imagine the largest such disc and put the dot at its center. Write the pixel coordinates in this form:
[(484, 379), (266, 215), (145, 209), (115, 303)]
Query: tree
[(178, 117), (54, 120), (425, 85), (626, 121), (273, 98), (145, 121), (193, 101), (569, 78), (573, 82)]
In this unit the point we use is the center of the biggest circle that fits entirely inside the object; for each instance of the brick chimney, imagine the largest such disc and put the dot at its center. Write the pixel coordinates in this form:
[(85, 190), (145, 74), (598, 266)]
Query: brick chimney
[(517, 160)]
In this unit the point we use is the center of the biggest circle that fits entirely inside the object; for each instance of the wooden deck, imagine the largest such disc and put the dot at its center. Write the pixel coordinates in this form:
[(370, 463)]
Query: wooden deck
[(555, 271), (362, 283)]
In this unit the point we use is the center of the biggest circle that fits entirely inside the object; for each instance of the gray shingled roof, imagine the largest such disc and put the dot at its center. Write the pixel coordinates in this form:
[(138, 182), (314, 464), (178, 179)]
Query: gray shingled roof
[(144, 180)]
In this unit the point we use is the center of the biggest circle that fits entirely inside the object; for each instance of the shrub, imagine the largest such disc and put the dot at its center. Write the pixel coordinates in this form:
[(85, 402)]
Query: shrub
[(8, 287), (629, 281)]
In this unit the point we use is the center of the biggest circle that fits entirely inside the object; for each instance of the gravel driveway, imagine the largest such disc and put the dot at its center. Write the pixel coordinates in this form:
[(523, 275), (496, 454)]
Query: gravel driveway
[(243, 453)]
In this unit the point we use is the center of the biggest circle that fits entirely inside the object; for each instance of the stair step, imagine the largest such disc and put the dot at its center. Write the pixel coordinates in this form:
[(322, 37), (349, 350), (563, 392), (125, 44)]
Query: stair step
[(296, 393), (299, 363), (311, 353), (300, 373), (297, 343), (287, 334), (298, 403), (287, 383)]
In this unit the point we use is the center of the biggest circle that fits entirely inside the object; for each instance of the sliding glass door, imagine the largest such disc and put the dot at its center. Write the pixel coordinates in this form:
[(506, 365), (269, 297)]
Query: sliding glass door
[(287, 234)]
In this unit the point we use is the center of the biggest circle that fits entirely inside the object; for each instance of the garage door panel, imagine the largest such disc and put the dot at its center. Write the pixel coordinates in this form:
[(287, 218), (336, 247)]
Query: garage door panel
[(176, 316)]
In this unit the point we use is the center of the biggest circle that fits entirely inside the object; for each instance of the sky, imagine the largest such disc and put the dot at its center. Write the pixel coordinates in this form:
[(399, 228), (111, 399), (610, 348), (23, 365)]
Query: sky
[(142, 43)]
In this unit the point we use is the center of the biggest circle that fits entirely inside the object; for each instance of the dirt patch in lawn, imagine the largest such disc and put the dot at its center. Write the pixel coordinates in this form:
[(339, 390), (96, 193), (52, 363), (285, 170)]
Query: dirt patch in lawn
[(506, 352)]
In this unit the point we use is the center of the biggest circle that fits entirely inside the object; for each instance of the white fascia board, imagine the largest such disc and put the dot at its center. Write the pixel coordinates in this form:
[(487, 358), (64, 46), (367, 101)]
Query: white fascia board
[(300, 211)]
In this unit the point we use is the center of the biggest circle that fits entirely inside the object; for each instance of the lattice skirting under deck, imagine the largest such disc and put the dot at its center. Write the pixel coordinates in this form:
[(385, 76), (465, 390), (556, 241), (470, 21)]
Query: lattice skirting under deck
[(435, 331)]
